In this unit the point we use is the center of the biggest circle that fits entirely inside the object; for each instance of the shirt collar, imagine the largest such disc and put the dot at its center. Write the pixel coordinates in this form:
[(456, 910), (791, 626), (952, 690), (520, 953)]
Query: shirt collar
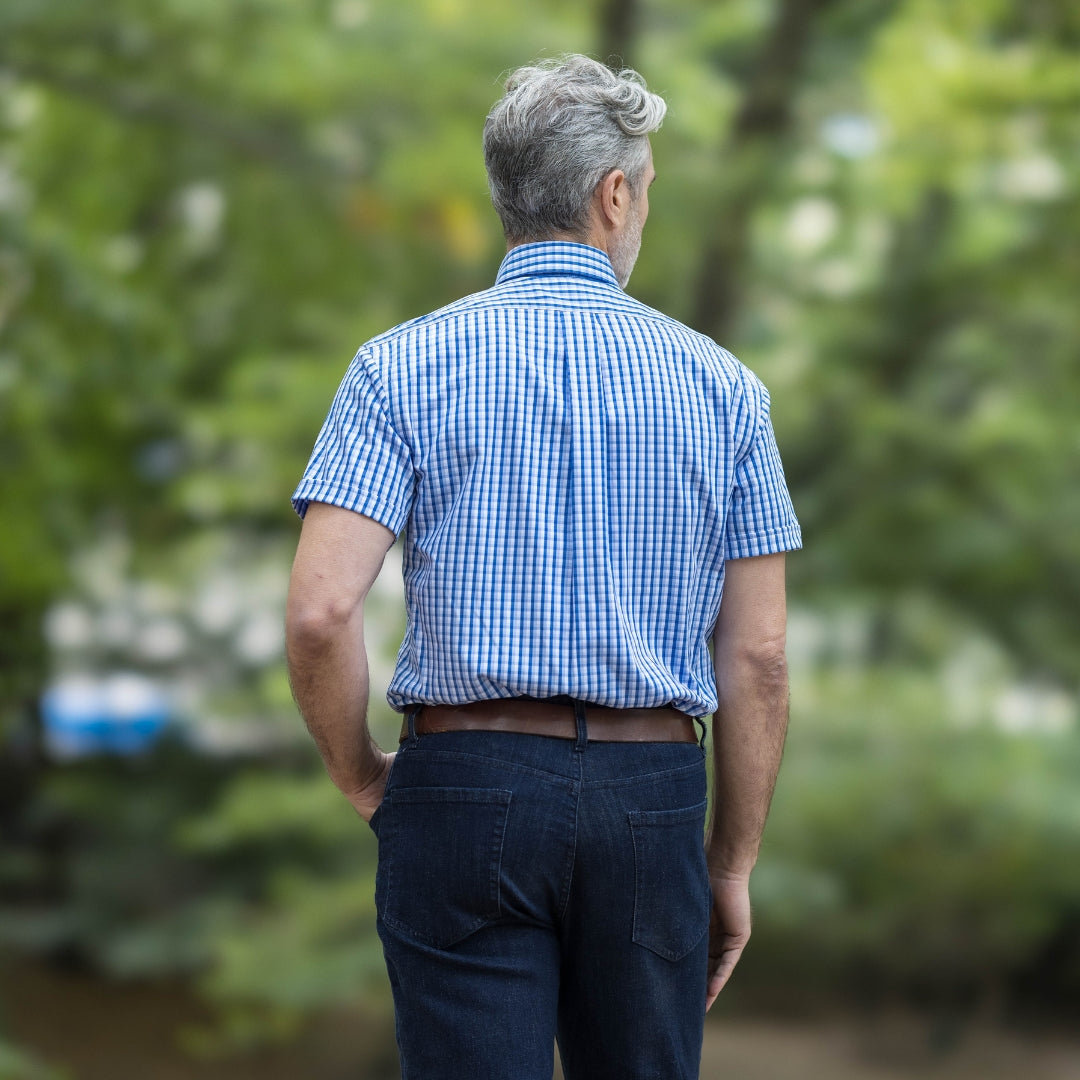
[(556, 257)]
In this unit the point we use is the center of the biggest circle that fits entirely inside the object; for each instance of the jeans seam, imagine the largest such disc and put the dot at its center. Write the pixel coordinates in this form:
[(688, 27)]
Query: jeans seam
[(575, 791), (662, 774)]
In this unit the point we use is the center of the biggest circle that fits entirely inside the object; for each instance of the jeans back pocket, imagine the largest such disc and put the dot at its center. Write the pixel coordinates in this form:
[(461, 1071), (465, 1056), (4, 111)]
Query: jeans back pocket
[(672, 897), (440, 854)]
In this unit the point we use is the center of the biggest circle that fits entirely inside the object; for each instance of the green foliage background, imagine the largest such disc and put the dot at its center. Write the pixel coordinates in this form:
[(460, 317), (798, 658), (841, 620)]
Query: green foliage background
[(205, 208)]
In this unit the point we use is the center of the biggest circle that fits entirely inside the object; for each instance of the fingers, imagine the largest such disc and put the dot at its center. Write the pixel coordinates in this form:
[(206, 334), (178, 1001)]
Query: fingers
[(729, 931), (719, 972)]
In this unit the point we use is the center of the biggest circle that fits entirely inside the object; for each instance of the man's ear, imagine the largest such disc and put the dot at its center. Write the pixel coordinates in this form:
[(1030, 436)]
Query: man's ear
[(613, 196)]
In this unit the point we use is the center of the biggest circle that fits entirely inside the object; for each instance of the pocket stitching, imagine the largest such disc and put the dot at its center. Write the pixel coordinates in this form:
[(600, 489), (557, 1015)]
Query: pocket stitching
[(497, 798), (659, 819)]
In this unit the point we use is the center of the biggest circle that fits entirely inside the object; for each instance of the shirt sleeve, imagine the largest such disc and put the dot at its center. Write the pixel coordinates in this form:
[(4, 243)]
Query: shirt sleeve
[(761, 519), (360, 461)]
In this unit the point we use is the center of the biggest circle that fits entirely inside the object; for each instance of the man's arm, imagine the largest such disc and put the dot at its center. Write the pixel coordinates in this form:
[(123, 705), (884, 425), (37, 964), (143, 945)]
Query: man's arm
[(748, 742), (338, 558)]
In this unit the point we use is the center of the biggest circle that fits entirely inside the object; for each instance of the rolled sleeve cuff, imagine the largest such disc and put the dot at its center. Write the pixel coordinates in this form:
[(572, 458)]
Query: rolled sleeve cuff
[(372, 504), (772, 542)]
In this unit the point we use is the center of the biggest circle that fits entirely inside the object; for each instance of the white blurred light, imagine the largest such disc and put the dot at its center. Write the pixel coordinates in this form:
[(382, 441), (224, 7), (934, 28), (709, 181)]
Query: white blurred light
[(837, 278), (79, 694), (126, 695), (23, 104), (389, 584), (1024, 709), (162, 641), (69, 626), (807, 636), (221, 736), (850, 135), (261, 639), (202, 209), (122, 713), (217, 606), (1038, 178), (811, 224)]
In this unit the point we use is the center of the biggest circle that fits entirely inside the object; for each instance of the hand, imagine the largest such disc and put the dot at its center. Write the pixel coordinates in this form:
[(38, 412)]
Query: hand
[(369, 794), (729, 930)]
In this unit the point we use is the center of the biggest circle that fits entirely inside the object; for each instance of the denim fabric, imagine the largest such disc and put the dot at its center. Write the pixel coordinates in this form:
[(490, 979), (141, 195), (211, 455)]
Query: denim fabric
[(531, 888)]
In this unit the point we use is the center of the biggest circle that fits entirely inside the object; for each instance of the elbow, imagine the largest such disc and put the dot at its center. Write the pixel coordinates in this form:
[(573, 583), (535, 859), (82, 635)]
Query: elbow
[(769, 655), (312, 627), (765, 661), (768, 666)]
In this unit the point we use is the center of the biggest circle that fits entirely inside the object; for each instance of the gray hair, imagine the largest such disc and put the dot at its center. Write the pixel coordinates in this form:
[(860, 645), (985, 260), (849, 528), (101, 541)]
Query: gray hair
[(559, 129)]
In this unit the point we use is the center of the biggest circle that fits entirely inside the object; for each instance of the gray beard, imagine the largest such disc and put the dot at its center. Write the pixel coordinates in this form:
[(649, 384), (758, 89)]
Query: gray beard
[(624, 250)]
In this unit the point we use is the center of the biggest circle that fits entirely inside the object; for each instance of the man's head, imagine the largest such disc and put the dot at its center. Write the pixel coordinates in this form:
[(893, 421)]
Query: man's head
[(560, 130)]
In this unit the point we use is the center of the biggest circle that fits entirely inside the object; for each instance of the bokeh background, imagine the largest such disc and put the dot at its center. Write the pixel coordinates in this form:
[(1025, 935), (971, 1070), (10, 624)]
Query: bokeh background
[(207, 205)]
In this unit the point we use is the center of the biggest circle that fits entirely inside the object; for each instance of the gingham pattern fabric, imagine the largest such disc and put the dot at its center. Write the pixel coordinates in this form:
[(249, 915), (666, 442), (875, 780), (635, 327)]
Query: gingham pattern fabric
[(571, 469)]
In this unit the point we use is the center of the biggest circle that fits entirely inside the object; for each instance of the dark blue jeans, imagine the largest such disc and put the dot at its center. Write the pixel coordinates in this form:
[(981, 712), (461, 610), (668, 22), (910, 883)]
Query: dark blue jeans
[(531, 888)]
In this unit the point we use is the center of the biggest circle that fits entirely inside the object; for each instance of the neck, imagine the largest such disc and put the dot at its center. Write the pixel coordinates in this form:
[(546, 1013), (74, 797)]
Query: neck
[(594, 237)]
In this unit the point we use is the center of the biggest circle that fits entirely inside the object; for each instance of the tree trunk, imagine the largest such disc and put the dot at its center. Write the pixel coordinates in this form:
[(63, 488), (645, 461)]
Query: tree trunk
[(618, 29), (764, 117)]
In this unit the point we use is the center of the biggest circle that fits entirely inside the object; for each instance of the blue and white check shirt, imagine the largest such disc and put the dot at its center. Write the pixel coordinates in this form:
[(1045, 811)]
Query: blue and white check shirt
[(571, 469)]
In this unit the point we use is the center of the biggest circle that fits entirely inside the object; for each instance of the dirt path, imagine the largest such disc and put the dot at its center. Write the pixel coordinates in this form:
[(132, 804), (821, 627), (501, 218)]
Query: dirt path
[(104, 1031), (896, 1050)]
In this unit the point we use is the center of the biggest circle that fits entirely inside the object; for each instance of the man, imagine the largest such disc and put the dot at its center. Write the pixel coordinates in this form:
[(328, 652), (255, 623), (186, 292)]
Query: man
[(578, 479)]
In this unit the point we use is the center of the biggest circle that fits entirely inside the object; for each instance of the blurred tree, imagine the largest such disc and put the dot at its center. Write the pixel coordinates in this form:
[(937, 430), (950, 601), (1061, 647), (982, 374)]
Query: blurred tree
[(934, 458), (755, 149), (618, 28), (204, 207)]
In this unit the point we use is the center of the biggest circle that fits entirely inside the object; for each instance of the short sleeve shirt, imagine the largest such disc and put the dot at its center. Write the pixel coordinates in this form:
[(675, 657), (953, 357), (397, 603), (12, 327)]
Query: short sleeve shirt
[(571, 469)]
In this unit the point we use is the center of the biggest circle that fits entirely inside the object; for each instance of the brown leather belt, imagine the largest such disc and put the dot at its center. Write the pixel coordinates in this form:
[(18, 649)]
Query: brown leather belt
[(556, 719)]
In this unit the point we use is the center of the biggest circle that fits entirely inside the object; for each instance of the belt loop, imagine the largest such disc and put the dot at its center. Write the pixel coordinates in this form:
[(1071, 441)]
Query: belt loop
[(411, 716), (582, 729), (700, 721)]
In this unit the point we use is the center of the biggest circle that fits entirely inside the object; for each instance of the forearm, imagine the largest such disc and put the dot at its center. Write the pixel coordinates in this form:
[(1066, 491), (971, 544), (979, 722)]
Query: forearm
[(749, 729), (329, 676)]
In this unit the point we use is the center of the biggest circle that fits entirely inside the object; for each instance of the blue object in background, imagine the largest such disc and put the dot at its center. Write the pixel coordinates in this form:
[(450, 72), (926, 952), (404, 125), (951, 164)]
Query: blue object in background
[(123, 714)]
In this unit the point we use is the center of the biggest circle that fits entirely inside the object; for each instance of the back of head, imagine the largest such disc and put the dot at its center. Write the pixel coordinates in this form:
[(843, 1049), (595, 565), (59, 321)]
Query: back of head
[(559, 129)]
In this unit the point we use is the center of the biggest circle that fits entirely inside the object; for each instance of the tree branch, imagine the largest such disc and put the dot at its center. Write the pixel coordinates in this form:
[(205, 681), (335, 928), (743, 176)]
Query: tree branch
[(278, 143)]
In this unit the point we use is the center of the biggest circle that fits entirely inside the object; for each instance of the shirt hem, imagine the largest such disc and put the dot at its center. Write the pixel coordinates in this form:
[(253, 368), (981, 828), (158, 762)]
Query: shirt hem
[(769, 543), (365, 502)]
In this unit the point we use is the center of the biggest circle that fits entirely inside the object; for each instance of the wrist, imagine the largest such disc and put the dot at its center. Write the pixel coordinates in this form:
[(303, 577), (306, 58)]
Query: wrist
[(728, 865), (728, 877), (361, 774)]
